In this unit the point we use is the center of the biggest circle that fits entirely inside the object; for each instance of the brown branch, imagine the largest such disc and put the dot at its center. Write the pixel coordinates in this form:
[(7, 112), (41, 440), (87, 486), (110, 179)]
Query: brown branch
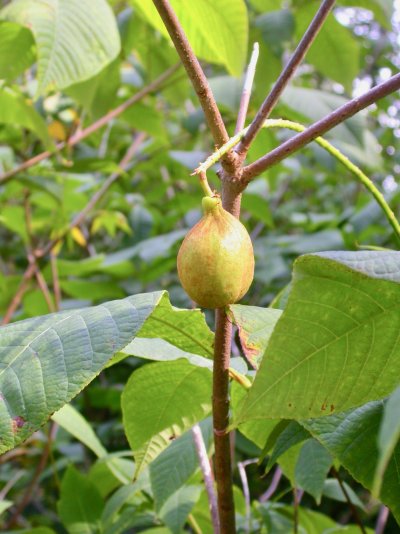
[(82, 134), (285, 76), (44, 289), (320, 127), (39, 469), (353, 509), (56, 280), (247, 87), (16, 300), (198, 79), (222, 457), (207, 475), (40, 253)]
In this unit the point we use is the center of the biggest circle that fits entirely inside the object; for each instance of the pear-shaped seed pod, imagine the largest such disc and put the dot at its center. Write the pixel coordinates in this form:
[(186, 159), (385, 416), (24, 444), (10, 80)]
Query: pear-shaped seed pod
[(216, 258)]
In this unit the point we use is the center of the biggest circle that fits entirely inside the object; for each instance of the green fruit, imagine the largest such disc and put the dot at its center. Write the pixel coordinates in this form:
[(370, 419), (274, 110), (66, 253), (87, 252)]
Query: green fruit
[(216, 258)]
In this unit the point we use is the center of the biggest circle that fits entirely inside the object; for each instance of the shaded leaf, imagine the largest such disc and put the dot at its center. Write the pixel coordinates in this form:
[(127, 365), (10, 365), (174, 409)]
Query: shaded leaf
[(176, 509), (312, 468), (14, 109), (173, 468), (388, 437), (352, 438), (80, 503)]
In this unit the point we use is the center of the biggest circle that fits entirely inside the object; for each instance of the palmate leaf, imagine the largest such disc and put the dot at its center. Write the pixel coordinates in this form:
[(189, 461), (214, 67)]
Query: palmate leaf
[(74, 39), (337, 344), (46, 361)]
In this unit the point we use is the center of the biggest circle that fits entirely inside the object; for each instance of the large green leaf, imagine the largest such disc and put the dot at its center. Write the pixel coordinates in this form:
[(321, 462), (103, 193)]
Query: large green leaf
[(337, 344), (216, 31), (75, 40), (16, 50), (46, 361), (14, 109), (335, 52), (160, 402), (352, 438)]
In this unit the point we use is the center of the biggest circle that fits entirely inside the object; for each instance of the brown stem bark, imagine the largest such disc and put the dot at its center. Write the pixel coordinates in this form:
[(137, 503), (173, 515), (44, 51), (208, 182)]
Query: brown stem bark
[(320, 127), (198, 79), (220, 403)]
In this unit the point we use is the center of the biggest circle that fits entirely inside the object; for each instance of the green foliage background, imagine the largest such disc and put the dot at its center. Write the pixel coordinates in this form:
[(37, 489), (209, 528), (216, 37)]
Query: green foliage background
[(53, 84)]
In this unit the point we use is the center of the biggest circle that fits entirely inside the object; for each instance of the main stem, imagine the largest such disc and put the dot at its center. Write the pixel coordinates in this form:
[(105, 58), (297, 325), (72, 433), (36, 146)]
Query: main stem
[(220, 401)]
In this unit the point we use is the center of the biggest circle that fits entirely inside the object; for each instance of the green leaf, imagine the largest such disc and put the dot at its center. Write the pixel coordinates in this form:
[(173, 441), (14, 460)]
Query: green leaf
[(75, 40), (312, 468), (256, 431), (160, 350), (335, 53), (258, 207), (14, 109), (293, 434), (255, 327), (5, 505), (74, 423), (91, 290), (80, 503), (121, 497), (16, 50), (48, 360), (336, 345), (160, 402), (147, 119), (176, 509), (352, 438), (388, 437), (316, 104), (98, 94), (185, 329), (333, 490), (173, 468), (216, 32)]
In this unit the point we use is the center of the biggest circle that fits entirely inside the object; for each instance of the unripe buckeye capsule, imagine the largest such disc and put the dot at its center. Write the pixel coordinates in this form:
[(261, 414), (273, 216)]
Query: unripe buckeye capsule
[(216, 258)]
